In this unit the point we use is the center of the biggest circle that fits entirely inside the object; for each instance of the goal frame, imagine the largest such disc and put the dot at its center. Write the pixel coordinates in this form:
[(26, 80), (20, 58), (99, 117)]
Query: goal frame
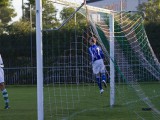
[(39, 52)]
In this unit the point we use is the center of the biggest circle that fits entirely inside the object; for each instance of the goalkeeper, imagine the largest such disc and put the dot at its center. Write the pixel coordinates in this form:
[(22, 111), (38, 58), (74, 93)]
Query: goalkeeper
[(98, 67), (2, 85)]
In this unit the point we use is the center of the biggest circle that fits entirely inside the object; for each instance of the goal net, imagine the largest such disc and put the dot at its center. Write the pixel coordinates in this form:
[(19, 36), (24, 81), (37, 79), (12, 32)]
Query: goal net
[(70, 88)]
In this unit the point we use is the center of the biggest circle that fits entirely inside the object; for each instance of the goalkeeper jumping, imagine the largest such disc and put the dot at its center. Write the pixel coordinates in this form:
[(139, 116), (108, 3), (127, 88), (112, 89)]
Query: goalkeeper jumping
[(98, 67)]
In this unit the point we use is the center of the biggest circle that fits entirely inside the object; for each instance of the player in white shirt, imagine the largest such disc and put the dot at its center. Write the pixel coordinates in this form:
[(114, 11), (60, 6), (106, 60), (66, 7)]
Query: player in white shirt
[(2, 85)]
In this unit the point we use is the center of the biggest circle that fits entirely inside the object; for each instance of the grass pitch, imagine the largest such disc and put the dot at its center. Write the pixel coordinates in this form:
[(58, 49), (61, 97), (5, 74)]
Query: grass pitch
[(69, 102), (23, 104)]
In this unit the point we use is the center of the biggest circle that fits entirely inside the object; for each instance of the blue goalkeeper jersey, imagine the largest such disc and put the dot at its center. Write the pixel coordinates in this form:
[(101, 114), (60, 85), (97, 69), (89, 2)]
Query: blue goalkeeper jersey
[(95, 53)]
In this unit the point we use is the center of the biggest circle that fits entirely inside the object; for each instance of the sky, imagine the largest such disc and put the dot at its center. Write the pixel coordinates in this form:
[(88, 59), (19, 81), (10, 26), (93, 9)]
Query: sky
[(130, 5), (17, 4)]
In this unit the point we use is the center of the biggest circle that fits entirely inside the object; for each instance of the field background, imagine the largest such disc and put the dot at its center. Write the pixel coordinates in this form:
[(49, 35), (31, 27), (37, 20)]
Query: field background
[(91, 106)]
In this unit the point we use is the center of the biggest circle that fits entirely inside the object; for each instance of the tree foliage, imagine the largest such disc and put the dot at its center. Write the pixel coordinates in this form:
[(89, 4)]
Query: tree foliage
[(152, 23), (6, 14), (20, 27), (48, 14), (151, 10), (78, 21)]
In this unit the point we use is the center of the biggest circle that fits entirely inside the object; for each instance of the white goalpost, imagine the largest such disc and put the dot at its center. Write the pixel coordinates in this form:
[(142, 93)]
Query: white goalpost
[(112, 69), (39, 51)]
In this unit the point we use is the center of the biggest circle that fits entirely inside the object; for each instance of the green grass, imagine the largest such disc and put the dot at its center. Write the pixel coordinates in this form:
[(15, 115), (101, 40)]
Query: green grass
[(71, 102), (23, 104)]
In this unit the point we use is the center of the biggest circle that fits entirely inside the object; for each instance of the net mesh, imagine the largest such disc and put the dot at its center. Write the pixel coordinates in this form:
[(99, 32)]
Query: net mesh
[(70, 88), (135, 60)]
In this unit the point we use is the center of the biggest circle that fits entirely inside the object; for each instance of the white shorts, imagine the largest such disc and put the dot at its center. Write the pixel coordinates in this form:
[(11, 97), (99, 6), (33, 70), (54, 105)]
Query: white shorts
[(98, 66), (1, 75)]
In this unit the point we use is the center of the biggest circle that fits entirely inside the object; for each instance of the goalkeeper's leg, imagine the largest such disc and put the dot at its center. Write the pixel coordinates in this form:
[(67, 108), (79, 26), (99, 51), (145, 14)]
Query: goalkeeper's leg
[(99, 83), (103, 75)]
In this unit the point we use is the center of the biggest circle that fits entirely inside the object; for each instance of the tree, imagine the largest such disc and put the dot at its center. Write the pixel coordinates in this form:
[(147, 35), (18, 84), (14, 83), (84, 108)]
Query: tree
[(6, 14), (80, 19), (152, 23), (19, 28), (48, 14), (152, 10)]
